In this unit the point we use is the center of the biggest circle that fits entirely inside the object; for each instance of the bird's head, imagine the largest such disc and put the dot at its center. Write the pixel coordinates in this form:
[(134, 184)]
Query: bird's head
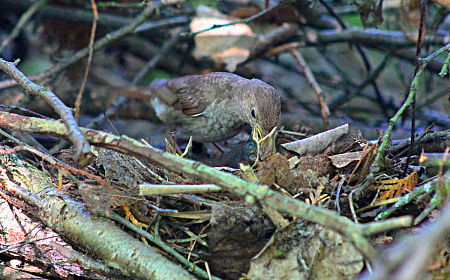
[(264, 107)]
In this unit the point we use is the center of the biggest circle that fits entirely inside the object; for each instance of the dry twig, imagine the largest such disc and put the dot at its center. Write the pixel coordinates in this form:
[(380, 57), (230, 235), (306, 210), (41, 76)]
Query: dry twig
[(83, 154)]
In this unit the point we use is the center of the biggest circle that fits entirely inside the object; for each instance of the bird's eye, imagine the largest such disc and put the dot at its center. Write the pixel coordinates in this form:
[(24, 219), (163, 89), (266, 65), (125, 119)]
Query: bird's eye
[(250, 145), (254, 113)]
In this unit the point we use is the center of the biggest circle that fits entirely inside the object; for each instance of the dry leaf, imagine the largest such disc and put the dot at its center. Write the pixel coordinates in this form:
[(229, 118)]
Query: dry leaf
[(409, 19), (229, 45), (395, 187), (318, 143), (342, 160)]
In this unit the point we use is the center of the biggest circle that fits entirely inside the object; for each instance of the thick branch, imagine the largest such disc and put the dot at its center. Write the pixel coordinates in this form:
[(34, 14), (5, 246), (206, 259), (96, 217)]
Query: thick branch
[(371, 37), (98, 235)]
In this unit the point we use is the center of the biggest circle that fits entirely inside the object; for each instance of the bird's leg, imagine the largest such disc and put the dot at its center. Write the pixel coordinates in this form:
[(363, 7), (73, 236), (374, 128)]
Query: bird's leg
[(173, 148), (218, 148)]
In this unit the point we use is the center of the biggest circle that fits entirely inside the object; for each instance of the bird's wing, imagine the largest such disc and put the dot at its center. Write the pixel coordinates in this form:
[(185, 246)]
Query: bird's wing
[(195, 93)]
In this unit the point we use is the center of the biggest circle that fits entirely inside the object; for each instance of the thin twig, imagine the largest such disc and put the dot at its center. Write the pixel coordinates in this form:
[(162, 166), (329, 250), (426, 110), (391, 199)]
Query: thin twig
[(370, 78), (121, 100), (423, 11), (94, 234), (56, 162), (229, 182), (406, 104), (91, 51), (312, 80), (154, 61), (408, 259), (120, 5), (160, 243), (152, 189), (246, 20), (25, 110)]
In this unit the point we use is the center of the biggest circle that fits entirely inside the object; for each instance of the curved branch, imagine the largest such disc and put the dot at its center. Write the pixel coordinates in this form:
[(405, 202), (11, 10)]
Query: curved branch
[(83, 154)]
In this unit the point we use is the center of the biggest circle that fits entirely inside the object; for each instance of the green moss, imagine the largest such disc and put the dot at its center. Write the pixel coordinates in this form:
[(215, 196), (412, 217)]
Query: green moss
[(279, 254), (209, 3), (354, 20), (155, 75), (26, 175)]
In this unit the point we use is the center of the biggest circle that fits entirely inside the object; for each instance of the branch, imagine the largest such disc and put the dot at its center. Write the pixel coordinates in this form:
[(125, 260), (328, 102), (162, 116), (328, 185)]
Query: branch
[(83, 154), (407, 103), (83, 16), (370, 37), (246, 20), (97, 235), (417, 62), (91, 52), (317, 88)]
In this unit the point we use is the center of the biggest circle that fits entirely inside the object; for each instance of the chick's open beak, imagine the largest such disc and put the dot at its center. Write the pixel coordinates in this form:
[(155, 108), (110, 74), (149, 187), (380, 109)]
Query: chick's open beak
[(259, 137), (265, 143), (257, 134)]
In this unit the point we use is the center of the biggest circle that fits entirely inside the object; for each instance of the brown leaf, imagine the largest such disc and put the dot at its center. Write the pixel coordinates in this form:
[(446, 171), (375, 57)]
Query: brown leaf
[(395, 187), (274, 170)]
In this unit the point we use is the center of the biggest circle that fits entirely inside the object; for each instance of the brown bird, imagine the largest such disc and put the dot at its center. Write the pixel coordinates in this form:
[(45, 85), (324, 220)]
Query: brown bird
[(214, 107)]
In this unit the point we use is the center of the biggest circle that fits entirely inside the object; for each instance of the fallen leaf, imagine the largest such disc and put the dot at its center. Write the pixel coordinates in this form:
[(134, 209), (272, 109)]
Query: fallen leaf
[(229, 45)]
